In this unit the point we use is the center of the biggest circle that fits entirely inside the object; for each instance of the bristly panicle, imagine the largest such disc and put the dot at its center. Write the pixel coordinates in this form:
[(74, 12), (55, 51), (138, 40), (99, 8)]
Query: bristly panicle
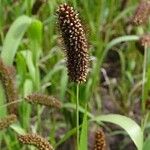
[(142, 13), (7, 76), (75, 43), (100, 141), (7, 121), (35, 140), (43, 100)]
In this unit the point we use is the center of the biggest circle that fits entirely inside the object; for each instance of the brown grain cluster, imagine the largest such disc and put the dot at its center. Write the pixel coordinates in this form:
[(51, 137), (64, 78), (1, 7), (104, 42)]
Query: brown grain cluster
[(100, 142), (7, 121), (42, 99), (7, 76), (75, 43), (142, 13), (35, 140)]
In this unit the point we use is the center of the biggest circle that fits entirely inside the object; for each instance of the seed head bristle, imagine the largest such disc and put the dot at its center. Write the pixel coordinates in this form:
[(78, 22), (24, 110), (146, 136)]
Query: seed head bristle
[(100, 142), (142, 13), (7, 76), (43, 100), (35, 140), (75, 43), (7, 121)]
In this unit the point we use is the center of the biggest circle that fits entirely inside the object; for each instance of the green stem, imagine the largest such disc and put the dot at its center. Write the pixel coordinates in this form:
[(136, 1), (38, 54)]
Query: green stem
[(144, 78), (145, 120), (77, 115)]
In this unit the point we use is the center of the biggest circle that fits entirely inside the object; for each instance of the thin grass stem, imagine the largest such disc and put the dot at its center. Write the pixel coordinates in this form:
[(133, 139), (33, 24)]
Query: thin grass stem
[(145, 120), (77, 115), (10, 103), (144, 78)]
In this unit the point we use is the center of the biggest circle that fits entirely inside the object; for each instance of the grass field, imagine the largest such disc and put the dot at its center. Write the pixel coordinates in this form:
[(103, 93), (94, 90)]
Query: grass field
[(115, 97)]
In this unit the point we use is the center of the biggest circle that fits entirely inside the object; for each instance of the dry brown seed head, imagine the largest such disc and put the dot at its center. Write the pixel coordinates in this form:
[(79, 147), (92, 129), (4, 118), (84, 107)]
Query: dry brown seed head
[(35, 140), (7, 76), (7, 121), (43, 100), (100, 142), (75, 43), (142, 13)]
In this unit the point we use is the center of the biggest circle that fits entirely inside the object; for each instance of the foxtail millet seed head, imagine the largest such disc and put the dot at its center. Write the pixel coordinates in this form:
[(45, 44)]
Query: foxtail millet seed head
[(43, 99), (7, 76), (7, 121), (100, 141), (142, 13), (75, 42), (35, 140)]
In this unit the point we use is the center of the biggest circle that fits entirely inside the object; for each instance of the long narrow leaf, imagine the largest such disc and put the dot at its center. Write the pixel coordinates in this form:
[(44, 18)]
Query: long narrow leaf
[(18, 129), (13, 38), (116, 41), (84, 130), (35, 37), (130, 126)]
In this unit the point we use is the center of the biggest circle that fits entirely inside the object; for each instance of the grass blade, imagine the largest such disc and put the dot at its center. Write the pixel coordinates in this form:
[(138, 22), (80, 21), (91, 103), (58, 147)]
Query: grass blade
[(83, 136), (18, 129), (116, 41), (35, 37), (131, 127), (13, 38)]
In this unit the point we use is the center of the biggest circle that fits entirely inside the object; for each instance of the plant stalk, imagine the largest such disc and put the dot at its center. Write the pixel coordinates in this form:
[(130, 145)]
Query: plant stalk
[(77, 115), (144, 78)]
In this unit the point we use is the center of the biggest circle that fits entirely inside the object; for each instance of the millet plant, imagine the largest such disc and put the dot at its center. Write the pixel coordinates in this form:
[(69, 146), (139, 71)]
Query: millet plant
[(95, 97)]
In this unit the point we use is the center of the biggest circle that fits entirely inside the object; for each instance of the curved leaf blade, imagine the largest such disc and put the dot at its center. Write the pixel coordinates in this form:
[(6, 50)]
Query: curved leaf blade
[(130, 126), (13, 38)]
